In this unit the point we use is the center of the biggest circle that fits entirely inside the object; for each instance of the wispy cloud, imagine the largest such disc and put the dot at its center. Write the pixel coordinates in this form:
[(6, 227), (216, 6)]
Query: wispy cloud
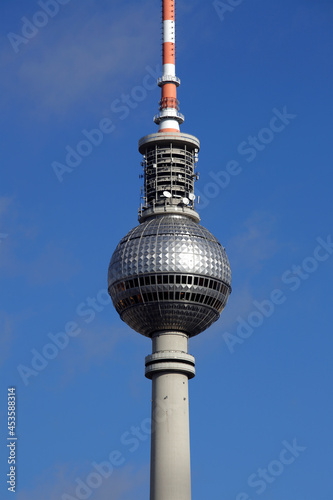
[(94, 345), (54, 264), (6, 329), (187, 6), (50, 262), (5, 202), (240, 302), (248, 252), (256, 244), (84, 52), (123, 484)]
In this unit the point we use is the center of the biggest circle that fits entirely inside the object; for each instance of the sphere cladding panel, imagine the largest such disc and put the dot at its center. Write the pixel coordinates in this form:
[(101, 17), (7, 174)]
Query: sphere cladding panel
[(170, 244), (189, 318)]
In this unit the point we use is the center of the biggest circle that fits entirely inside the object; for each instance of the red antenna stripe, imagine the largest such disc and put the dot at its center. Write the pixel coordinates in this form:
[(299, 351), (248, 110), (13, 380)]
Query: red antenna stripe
[(169, 90), (168, 10), (169, 56)]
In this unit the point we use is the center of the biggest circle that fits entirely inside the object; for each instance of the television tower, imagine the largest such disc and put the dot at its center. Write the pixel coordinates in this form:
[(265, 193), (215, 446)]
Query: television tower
[(169, 278)]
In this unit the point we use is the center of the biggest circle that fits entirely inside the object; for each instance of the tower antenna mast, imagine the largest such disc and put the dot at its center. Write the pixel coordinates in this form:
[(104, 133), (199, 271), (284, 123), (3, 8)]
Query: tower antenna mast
[(169, 117)]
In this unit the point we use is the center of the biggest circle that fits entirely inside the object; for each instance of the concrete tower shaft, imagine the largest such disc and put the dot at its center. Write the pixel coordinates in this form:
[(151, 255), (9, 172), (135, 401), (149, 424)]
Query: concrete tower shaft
[(170, 368)]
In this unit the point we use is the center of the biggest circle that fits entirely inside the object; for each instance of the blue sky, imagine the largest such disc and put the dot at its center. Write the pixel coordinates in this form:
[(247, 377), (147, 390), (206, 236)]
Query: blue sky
[(257, 91)]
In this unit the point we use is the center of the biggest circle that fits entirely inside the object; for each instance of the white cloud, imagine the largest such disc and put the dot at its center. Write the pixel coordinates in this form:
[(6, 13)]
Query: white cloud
[(251, 248), (187, 6), (81, 55), (5, 202), (51, 262), (124, 483), (240, 303), (5, 227), (6, 337), (248, 252), (95, 344), (54, 264)]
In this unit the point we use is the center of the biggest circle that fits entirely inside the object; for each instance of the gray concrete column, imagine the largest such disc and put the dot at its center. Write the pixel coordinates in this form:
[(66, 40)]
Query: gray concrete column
[(169, 368)]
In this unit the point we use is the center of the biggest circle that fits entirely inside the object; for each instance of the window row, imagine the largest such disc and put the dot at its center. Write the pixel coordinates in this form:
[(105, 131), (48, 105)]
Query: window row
[(169, 296), (170, 279)]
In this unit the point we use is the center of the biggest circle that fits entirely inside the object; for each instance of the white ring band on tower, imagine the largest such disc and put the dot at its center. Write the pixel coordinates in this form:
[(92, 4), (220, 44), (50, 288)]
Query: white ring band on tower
[(169, 31)]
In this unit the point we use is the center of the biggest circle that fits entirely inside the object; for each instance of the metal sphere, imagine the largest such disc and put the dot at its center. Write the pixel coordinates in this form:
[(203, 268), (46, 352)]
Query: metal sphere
[(169, 273)]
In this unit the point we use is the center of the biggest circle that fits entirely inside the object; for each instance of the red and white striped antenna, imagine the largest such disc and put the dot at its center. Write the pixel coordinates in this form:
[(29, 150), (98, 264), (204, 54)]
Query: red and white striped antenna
[(169, 117)]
